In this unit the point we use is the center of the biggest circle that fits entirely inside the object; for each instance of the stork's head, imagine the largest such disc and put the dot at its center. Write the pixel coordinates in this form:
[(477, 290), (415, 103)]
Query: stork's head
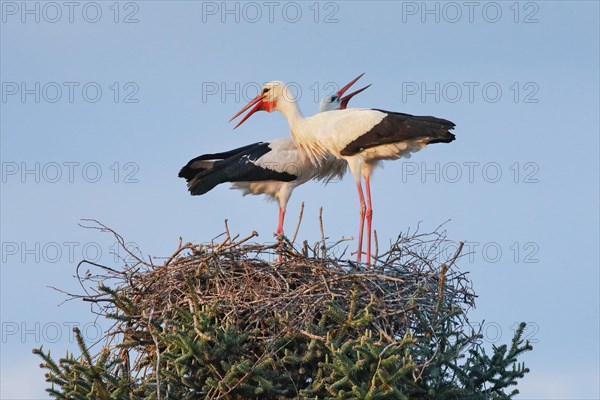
[(272, 96), (337, 100)]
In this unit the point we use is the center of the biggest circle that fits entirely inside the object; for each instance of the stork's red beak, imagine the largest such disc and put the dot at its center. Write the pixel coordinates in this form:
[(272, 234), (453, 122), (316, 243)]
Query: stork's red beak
[(344, 100), (352, 82), (259, 105)]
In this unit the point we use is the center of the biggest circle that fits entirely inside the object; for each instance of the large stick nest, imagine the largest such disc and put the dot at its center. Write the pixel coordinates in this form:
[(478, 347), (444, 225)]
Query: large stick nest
[(236, 277)]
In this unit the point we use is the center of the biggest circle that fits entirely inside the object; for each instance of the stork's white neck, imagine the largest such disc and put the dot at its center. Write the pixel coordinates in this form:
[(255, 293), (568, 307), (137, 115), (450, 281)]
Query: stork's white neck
[(289, 108), (300, 127)]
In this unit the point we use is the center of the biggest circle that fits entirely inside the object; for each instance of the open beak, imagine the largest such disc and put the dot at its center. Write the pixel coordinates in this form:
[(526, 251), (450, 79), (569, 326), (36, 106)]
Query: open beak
[(344, 100), (258, 104)]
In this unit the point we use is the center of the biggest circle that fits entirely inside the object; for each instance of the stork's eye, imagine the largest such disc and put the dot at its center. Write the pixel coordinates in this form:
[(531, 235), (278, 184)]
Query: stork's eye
[(334, 98), (265, 90)]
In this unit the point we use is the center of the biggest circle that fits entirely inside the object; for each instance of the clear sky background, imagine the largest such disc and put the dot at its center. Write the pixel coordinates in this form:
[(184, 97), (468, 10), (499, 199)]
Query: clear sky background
[(127, 93)]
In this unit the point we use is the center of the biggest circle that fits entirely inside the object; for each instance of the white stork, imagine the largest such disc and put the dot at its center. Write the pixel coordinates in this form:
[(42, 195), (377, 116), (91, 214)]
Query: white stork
[(274, 168), (361, 136)]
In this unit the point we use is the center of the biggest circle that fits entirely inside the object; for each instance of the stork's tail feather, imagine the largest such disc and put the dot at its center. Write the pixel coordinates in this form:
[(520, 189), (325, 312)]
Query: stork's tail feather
[(205, 172), (204, 182), (194, 167), (202, 176)]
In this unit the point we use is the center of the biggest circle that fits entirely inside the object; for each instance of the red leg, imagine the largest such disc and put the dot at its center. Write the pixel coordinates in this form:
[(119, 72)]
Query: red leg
[(280, 229), (363, 207), (369, 215), (280, 225)]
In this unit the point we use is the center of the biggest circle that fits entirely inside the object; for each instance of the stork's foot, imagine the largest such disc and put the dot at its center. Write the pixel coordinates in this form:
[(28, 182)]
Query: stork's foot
[(281, 242), (358, 256)]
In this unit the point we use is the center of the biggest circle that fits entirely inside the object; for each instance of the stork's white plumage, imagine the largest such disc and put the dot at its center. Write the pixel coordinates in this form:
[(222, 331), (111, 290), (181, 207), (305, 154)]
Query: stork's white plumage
[(363, 137), (285, 156), (272, 168)]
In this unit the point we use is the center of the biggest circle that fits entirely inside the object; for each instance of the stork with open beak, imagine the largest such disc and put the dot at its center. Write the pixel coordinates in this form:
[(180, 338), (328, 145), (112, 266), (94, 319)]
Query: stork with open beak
[(274, 168), (363, 137)]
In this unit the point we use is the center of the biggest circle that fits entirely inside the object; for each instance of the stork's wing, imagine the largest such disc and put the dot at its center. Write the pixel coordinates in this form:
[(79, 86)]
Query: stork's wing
[(205, 172), (397, 127), (206, 161)]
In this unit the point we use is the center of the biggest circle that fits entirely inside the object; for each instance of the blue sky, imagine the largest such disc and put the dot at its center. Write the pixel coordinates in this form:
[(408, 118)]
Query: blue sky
[(102, 104)]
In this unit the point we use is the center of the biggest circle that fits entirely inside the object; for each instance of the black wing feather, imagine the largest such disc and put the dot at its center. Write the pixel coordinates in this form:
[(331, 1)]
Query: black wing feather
[(397, 127), (205, 172), (194, 166)]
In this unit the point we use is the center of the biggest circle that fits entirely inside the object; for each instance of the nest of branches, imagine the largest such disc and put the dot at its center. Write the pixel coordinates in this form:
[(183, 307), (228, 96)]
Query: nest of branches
[(223, 320), (237, 280)]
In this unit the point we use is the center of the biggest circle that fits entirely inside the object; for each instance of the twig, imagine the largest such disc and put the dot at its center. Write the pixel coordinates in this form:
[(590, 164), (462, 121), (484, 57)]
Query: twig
[(227, 231), (178, 251), (298, 224), (442, 276), (312, 336), (323, 246), (456, 254), (376, 246)]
